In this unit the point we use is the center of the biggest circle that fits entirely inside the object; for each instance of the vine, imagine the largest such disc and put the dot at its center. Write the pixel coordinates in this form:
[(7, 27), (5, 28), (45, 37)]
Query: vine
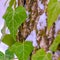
[(21, 20)]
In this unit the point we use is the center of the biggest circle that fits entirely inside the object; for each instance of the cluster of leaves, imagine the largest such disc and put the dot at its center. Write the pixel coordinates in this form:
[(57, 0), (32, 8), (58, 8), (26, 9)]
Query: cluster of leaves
[(13, 19)]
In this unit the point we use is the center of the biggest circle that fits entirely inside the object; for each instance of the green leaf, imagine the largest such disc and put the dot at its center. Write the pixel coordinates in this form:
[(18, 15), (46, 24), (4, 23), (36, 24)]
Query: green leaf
[(9, 55), (48, 56), (53, 12), (22, 50), (1, 56), (14, 18), (59, 58), (41, 55), (8, 39), (11, 2), (55, 44)]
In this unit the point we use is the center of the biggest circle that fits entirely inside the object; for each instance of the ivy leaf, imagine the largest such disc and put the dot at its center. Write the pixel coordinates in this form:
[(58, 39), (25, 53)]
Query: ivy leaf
[(11, 2), (1, 56), (9, 55), (14, 18), (53, 12), (48, 56), (22, 50), (55, 44), (8, 39), (41, 55)]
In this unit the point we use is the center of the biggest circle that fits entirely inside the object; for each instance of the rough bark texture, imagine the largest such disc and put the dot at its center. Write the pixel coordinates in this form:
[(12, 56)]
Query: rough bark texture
[(31, 22), (44, 39)]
